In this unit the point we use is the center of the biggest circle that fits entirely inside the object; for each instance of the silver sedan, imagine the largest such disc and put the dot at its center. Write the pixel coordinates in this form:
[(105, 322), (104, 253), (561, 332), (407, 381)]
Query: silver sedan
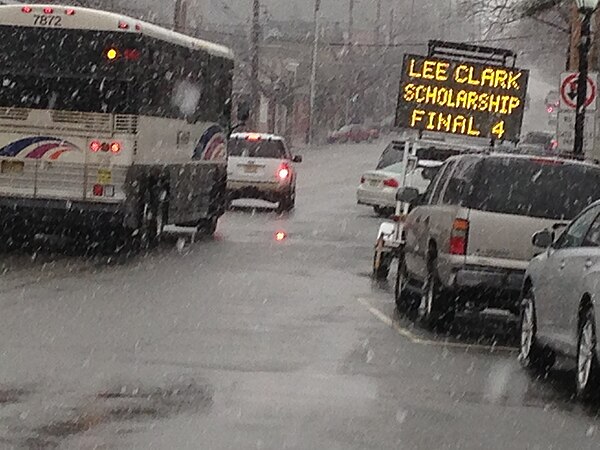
[(560, 301)]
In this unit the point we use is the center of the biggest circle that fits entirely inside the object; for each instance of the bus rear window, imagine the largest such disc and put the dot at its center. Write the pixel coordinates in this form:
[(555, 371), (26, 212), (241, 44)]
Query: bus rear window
[(62, 93)]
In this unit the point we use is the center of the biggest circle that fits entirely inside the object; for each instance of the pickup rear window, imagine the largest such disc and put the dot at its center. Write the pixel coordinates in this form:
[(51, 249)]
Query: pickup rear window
[(534, 187)]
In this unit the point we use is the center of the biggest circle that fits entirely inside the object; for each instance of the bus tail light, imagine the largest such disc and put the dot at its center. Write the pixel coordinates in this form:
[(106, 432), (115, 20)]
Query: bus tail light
[(459, 237), (114, 147), (95, 146), (26, 9), (103, 190)]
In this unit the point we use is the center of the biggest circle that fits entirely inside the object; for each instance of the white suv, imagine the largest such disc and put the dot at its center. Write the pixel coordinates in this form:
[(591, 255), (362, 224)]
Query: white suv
[(261, 166), (468, 238)]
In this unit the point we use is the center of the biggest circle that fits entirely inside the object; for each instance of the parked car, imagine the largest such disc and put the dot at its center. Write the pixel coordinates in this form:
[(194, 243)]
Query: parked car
[(560, 298), (378, 187), (538, 142), (468, 238), (353, 133), (261, 166)]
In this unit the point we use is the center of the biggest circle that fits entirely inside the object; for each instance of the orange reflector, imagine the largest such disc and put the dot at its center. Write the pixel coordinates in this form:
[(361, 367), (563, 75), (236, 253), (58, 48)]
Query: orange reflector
[(460, 225), (115, 147)]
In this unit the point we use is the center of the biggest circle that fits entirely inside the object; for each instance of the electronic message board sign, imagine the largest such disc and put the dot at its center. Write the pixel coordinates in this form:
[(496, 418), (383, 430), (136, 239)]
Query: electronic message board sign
[(465, 98)]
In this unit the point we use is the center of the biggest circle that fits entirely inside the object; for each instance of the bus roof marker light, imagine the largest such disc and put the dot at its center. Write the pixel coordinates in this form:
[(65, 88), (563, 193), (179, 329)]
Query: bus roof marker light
[(26, 9), (123, 25), (48, 10), (70, 12), (138, 27)]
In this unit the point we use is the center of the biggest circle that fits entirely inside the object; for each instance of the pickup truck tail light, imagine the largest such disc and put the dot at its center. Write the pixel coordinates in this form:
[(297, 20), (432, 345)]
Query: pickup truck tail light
[(459, 237)]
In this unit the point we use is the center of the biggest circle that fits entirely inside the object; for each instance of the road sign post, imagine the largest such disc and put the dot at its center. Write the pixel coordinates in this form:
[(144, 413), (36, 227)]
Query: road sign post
[(565, 132), (565, 126)]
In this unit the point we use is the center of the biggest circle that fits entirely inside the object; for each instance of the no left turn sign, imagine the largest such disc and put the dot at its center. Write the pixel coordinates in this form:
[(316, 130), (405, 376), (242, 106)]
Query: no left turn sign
[(568, 90)]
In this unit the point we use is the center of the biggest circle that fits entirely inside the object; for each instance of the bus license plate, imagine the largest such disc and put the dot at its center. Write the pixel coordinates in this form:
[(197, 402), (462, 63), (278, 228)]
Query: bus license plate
[(104, 176), (12, 167)]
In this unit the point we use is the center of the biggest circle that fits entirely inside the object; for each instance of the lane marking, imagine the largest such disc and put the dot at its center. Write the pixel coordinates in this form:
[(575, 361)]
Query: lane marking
[(392, 323)]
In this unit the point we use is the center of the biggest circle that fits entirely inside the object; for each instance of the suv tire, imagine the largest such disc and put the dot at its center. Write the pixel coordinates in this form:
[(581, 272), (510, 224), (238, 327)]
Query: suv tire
[(434, 309), (287, 202), (403, 297)]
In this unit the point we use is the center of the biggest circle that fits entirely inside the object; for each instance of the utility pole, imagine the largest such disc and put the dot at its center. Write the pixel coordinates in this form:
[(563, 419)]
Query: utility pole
[(391, 29), (180, 18), (313, 74), (378, 23), (254, 65), (350, 20), (584, 49)]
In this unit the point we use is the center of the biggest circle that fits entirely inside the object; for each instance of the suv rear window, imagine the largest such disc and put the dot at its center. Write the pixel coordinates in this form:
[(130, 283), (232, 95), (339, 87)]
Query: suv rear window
[(534, 187), (256, 149), (436, 154)]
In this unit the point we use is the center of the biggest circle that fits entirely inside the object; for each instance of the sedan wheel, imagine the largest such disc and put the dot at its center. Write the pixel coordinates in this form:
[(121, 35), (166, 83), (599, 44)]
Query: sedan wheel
[(587, 363), (527, 332)]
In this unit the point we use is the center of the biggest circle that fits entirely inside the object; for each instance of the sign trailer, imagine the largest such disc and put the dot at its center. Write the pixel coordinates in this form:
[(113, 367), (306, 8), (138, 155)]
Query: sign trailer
[(449, 93)]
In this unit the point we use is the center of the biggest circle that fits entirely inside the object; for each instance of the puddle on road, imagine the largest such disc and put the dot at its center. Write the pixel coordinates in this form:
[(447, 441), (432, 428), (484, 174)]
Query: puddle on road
[(9, 396), (120, 404)]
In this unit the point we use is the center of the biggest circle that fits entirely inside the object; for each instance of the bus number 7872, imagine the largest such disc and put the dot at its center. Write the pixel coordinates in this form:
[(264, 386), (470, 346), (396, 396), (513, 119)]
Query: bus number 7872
[(47, 21)]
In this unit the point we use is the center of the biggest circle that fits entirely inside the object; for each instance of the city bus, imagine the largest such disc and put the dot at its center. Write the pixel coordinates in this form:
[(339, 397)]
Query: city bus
[(109, 125)]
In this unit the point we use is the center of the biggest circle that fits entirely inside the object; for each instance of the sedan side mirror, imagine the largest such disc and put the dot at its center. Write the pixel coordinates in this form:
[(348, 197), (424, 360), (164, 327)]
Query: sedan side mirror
[(407, 194), (543, 239), (297, 159)]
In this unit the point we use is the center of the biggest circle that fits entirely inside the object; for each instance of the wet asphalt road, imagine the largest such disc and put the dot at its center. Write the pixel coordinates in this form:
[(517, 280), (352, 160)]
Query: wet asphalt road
[(243, 342)]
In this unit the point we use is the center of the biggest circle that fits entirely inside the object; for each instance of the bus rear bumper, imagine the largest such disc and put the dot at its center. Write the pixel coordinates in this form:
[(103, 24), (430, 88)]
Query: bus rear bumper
[(47, 215)]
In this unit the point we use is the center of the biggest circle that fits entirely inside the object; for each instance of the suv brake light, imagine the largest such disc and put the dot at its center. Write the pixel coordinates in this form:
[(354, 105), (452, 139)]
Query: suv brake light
[(253, 137), (391, 182), (459, 237), (283, 172)]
